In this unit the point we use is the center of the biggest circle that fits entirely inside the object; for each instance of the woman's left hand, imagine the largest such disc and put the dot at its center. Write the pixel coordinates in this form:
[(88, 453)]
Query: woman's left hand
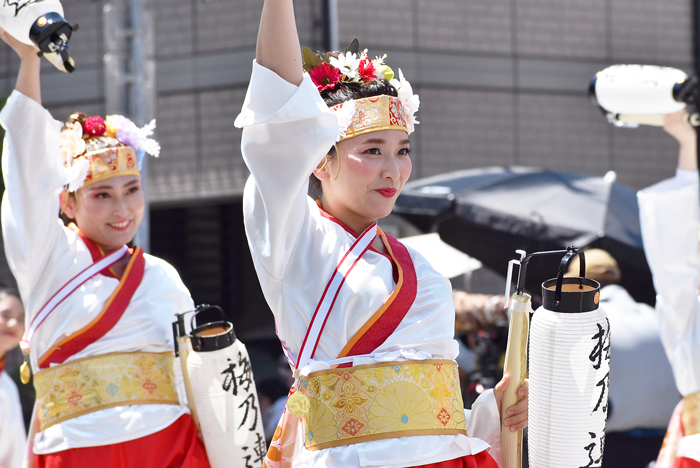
[(516, 414)]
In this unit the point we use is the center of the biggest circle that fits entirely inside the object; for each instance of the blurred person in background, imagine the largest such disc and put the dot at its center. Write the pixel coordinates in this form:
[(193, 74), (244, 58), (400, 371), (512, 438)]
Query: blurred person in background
[(12, 432), (642, 392), (481, 327), (669, 214), (273, 396)]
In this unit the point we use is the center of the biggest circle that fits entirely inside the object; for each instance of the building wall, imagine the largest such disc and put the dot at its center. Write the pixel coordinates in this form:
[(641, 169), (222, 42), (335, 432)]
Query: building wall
[(502, 82)]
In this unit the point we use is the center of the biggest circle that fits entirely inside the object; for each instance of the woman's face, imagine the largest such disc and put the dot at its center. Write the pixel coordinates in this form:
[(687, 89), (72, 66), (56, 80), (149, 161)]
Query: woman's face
[(11, 322), (373, 169), (109, 212)]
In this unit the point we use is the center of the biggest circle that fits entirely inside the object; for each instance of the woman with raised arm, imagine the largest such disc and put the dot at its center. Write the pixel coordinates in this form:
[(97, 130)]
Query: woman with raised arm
[(669, 213), (99, 314), (366, 323)]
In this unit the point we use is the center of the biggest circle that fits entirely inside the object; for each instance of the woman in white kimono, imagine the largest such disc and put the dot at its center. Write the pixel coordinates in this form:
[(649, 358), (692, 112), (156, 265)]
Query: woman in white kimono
[(98, 313), (670, 220), (12, 434), (367, 324)]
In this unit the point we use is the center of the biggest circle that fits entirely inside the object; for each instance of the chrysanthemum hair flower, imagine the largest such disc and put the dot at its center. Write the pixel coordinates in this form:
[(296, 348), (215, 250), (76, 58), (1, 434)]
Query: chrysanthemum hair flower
[(410, 101), (76, 174), (345, 113), (347, 63), (367, 70), (325, 76)]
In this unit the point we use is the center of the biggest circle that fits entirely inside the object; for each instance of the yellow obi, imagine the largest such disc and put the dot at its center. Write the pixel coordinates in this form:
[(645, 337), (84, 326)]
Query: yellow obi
[(382, 401), (105, 381), (690, 414)]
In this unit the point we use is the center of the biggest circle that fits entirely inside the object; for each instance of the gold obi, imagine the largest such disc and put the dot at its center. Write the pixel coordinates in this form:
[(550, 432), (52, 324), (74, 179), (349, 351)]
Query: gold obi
[(382, 401), (690, 414), (105, 381)]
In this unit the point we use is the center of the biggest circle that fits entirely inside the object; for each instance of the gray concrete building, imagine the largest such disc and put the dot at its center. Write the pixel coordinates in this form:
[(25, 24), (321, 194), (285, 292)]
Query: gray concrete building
[(502, 82)]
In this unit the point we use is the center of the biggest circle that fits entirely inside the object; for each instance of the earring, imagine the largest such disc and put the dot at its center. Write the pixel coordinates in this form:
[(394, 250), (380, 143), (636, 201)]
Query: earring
[(324, 165)]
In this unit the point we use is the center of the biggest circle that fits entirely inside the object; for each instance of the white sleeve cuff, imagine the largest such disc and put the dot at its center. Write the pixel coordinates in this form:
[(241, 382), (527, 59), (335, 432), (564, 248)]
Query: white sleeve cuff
[(485, 423), (273, 99)]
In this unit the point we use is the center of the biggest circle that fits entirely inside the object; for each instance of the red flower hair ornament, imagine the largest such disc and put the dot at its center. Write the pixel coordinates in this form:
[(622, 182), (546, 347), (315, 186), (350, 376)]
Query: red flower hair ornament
[(325, 76), (94, 126)]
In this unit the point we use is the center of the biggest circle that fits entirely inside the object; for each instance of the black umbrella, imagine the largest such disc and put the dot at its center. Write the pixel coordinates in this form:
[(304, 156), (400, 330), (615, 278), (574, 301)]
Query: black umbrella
[(489, 213)]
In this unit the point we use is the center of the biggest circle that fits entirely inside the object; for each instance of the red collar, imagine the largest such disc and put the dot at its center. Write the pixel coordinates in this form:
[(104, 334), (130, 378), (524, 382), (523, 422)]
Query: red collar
[(95, 250)]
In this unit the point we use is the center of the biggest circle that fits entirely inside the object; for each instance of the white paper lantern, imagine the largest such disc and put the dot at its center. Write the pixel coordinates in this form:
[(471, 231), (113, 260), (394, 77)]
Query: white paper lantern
[(40, 23), (225, 398), (638, 89), (569, 373), (18, 17)]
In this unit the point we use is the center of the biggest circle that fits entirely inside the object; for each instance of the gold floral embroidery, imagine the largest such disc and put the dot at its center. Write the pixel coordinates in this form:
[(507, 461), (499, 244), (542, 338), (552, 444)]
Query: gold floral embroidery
[(400, 407), (382, 400), (690, 414), (87, 385)]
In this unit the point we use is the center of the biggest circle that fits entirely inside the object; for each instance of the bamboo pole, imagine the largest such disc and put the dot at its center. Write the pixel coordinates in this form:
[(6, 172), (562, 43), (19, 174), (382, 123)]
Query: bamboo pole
[(185, 348), (516, 368)]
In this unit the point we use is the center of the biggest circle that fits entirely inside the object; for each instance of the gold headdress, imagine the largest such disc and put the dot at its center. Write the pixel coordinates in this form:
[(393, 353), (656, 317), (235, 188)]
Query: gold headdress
[(364, 115), (94, 149)]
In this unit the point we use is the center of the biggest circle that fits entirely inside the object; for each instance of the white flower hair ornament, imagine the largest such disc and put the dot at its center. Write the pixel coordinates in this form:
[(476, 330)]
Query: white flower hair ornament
[(77, 173), (345, 113), (410, 101)]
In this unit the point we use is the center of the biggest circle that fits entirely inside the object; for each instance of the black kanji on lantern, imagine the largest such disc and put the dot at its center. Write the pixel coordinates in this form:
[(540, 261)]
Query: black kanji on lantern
[(249, 404)]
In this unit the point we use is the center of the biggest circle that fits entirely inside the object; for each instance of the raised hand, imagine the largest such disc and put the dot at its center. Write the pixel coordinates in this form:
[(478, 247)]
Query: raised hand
[(676, 125), (28, 78), (22, 49)]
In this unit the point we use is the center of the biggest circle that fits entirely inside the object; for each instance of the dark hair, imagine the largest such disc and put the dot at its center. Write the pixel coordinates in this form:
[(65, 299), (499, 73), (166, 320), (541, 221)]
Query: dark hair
[(92, 143), (344, 92), (10, 291), (348, 91)]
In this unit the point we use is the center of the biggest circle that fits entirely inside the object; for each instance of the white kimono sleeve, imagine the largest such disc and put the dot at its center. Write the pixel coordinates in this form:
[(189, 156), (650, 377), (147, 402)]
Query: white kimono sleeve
[(670, 221), (12, 434), (484, 422), (287, 130), (34, 176)]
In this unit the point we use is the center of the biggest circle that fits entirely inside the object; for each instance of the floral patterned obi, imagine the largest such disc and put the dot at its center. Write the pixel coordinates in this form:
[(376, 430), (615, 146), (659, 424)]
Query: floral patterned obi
[(118, 379), (382, 401)]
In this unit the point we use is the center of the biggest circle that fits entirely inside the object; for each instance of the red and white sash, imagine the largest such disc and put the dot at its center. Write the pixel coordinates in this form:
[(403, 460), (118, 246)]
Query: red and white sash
[(330, 294), (108, 317), (67, 289), (377, 329)]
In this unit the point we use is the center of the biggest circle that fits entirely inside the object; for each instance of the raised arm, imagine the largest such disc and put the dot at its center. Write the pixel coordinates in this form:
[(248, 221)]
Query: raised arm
[(670, 221), (33, 173), (287, 130), (28, 82), (278, 47)]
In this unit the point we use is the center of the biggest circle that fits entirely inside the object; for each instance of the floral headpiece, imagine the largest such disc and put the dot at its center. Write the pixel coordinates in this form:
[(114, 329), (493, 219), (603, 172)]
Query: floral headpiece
[(87, 161), (328, 69)]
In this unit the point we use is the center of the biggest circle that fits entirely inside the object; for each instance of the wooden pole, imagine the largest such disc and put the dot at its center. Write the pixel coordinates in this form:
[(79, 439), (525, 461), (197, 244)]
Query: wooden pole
[(185, 348), (516, 368)]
